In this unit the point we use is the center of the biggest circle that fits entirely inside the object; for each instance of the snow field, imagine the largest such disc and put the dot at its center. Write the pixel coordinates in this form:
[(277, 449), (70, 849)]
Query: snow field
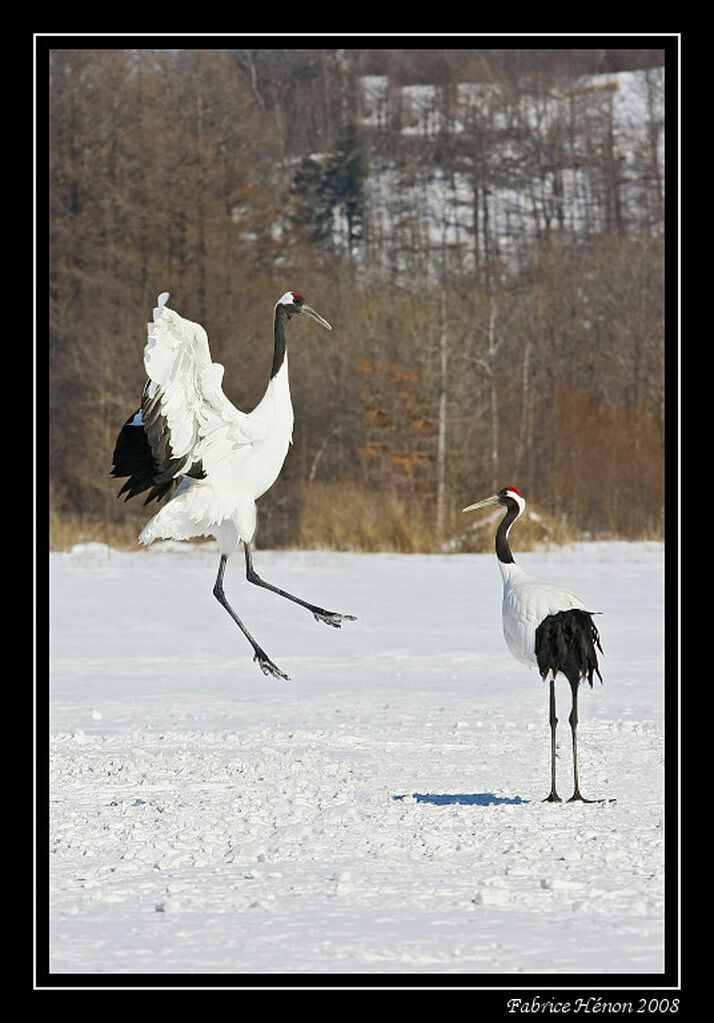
[(381, 812)]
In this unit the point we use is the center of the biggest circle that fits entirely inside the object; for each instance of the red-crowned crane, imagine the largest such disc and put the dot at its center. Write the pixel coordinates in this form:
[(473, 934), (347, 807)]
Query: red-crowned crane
[(545, 627), (189, 438)]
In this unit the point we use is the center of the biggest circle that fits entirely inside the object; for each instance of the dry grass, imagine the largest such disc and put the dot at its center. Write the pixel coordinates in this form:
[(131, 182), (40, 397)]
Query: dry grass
[(67, 529), (342, 516), (345, 517)]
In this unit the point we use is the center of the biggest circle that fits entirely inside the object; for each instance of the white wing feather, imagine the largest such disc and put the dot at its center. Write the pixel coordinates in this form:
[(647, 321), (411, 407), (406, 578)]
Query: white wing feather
[(526, 602), (203, 424)]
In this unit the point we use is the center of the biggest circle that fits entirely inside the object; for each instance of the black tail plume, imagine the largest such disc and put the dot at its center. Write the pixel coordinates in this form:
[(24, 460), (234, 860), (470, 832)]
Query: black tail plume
[(567, 642)]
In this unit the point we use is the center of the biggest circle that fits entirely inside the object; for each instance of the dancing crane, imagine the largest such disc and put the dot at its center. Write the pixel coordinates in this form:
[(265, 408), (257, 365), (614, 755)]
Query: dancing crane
[(545, 627), (188, 438)]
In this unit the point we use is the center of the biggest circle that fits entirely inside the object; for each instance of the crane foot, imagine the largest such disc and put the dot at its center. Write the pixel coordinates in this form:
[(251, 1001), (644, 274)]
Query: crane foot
[(332, 617), (577, 798), (267, 666), (553, 798)]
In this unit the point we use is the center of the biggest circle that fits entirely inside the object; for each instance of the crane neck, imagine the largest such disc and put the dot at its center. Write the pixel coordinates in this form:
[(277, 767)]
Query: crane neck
[(503, 548), (280, 332)]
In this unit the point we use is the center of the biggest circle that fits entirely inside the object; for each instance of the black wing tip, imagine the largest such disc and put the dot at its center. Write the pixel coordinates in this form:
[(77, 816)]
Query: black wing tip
[(143, 454), (134, 460)]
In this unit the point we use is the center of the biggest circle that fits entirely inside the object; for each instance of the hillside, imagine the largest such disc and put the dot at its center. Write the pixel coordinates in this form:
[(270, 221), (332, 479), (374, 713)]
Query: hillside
[(487, 242)]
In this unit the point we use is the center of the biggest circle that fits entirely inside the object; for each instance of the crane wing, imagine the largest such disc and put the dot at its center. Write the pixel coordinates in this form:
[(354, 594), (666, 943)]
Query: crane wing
[(189, 423), (526, 602)]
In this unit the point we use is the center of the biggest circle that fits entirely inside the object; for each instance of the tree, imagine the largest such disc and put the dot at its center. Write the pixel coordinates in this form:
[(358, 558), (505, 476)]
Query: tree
[(343, 186), (329, 195)]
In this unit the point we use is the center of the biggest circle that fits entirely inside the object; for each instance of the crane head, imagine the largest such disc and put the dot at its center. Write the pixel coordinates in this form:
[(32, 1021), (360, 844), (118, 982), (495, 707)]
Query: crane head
[(503, 497), (294, 303)]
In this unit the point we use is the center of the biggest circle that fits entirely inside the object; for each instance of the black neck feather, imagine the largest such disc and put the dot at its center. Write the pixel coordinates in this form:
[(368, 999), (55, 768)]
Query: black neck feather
[(503, 548), (280, 332)]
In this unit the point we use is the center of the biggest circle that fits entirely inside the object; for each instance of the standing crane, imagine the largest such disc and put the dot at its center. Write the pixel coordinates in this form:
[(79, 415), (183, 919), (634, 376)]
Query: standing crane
[(545, 627), (188, 438)]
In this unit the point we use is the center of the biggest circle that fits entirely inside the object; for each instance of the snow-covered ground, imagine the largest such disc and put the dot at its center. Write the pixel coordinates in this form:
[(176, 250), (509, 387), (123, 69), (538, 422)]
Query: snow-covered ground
[(380, 813)]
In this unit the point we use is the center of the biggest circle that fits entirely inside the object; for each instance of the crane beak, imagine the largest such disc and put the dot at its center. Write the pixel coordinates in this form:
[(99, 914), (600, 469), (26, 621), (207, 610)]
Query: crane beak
[(494, 499), (305, 308)]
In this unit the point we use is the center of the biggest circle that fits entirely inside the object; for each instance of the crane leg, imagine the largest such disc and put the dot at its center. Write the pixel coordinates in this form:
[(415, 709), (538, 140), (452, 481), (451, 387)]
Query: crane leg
[(267, 666), (321, 615), (573, 719), (576, 796), (553, 797)]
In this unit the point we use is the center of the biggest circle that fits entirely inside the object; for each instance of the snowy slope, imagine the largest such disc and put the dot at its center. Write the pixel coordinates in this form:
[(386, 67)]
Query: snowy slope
[(523, 194), (380, 813)]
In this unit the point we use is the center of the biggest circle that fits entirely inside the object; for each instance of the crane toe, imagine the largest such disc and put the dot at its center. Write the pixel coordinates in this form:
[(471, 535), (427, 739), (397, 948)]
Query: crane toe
[(268, 667), (332, 617)]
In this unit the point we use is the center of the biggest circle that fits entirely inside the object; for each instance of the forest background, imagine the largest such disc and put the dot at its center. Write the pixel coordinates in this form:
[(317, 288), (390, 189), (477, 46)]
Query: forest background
[(483, 228)]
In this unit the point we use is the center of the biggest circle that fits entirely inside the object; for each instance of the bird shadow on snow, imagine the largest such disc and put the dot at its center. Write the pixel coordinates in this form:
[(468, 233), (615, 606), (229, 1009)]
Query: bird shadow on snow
[(463, 798)]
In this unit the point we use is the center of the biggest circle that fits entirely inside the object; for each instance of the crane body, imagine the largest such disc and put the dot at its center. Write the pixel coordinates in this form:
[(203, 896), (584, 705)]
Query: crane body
[(187, 442), (526, 602), (545, 627)]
